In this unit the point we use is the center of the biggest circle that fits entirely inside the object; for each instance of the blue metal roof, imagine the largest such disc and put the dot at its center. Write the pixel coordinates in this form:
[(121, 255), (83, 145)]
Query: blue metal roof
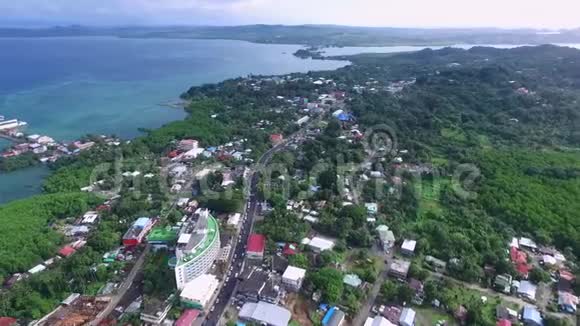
[(328, 316), (532, 314)]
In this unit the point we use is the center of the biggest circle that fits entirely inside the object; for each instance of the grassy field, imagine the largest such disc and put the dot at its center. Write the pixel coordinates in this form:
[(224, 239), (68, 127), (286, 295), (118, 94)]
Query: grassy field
[(430, 317), (429, 192)]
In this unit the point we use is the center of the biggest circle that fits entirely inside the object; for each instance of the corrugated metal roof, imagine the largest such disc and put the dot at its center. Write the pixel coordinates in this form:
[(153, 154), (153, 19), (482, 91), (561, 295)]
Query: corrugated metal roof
[(256, 243)]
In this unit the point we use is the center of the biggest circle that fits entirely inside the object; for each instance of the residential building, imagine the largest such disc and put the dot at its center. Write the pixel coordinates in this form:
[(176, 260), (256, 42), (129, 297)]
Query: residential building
[(302, 120), (437, 264), (137, 232), (504, 322), (352, 280), (66, 251), (392, 314), (408, 247), (36, 269), (258, 285), (155, 311), (337, 318), (197, 248), (77, 230), (256, 246), (503, 312), (333, 317), (188, 317), (378, 321), (531, 316), (386, 237), (187, 145), (548, 261), (90, 217), (418, 289), (8, 321), (567, 302), (527, 290), (265, 314), (12, 280), (399, 268), (319, 244), (234, 219), (503, 283), (527, 243), (276, 138), (407, 317), (293, 277), (519, 259), (565, 280), (290, 249), (372, 208), (198, 292)]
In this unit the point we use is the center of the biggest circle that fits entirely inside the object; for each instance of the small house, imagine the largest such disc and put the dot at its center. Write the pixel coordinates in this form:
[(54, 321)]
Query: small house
[(531, 316), (527, 291), (408, 247), (399, 268), (407, 317), (293, 277)]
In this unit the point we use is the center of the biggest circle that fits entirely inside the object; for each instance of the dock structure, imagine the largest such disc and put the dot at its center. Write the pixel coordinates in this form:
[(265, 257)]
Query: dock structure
[(9, 126), (12, 138)]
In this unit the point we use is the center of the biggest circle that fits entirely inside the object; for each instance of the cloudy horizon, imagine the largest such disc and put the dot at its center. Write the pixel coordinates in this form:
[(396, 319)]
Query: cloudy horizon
[(559, 14)]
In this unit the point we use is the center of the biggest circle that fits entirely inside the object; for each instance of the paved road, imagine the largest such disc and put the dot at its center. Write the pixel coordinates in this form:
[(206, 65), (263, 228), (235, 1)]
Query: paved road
[(365, 309), (122, 289), (235, 266)]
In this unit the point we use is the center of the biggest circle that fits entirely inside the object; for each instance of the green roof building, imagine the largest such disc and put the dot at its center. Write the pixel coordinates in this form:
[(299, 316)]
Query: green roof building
[(162, 236)]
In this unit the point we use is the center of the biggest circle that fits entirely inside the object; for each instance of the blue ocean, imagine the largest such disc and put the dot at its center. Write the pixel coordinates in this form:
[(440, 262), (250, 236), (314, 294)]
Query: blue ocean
[(69, 87)]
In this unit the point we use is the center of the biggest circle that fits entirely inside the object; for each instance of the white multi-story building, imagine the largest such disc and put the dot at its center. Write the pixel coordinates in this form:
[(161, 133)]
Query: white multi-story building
[(293, 277), (198, 247)]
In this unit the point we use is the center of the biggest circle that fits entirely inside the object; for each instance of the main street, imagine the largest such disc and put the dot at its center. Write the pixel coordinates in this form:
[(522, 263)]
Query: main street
[(235, 266)]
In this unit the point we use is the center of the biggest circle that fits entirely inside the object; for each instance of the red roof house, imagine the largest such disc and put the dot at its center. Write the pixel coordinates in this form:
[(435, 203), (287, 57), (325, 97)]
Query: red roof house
[(276, 138), (565, 281), (66, 251), (103, 207), (256, 246), (187, 317), (520, 260), (290, 249), (7, 321), (504, 322)]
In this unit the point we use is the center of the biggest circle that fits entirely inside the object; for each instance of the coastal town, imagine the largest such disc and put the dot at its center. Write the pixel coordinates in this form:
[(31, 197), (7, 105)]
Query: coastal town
[(40, 148), (302, 247)]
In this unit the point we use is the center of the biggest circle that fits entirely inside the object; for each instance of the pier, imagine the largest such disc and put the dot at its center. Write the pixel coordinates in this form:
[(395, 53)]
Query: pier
[(12, 138)]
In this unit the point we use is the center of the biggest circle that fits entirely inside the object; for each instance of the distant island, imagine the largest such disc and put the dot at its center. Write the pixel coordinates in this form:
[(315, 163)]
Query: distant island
[(316, 35)]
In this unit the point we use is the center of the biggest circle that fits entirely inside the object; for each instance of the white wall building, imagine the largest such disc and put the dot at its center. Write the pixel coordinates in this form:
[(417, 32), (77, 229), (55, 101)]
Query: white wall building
[(197, 248), (293, 277), (198, 292)]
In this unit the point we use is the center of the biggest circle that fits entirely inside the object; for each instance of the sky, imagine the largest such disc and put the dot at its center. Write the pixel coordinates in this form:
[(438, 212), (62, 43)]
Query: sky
[(551, 14)]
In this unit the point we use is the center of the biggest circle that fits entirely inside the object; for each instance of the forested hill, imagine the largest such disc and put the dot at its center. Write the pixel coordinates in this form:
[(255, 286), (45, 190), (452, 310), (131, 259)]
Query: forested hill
[(524, 96), (513, 114), (316, 35)]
